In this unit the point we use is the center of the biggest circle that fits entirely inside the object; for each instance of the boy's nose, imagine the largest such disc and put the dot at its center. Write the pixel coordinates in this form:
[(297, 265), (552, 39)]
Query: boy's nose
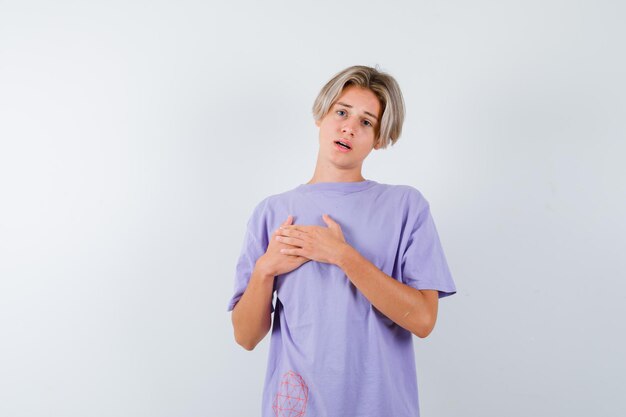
[(348, 128)]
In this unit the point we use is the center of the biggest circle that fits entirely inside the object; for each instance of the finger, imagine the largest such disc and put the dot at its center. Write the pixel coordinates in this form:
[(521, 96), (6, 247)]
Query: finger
[(283, 231), (285, 223), (327, 220), (292, 251), (292, 241), (293, 227), (330, 222)]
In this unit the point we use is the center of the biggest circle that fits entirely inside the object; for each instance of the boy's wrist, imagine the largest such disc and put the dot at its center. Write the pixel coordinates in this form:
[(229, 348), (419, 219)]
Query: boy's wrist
[(344, 254), (262, 271)]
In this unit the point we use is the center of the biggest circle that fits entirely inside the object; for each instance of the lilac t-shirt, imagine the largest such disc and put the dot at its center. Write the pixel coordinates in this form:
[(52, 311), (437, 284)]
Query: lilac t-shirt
[(332, 353)]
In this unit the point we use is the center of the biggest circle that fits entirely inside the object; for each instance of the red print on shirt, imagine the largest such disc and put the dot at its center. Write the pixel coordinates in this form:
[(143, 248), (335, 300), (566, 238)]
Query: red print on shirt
[(293, 393)]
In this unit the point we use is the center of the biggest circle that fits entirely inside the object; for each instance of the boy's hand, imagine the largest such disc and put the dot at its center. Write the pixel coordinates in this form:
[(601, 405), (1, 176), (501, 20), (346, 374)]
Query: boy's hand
[(317, 243), (273, 261)]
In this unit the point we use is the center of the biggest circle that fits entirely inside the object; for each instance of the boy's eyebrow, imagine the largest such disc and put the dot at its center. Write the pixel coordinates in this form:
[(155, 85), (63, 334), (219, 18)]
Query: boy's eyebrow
[(366, 112)]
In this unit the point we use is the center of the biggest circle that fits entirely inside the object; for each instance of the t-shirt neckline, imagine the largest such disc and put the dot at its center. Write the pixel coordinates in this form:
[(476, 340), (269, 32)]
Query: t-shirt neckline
[(342, 187)]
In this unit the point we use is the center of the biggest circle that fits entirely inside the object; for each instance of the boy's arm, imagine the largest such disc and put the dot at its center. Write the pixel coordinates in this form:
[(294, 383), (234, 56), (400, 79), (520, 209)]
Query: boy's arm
[(251, 316), (413, 309)]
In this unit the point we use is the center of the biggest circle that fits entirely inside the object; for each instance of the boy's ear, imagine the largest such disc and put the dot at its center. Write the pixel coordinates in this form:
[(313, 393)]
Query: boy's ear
[(317, 123)]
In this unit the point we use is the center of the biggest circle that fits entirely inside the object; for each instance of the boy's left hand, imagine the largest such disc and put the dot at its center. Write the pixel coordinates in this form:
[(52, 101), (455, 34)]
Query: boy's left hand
[(318, 243)]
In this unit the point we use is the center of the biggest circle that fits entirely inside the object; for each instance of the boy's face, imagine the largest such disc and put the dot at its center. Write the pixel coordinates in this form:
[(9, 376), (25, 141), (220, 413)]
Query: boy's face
[(354, 120)]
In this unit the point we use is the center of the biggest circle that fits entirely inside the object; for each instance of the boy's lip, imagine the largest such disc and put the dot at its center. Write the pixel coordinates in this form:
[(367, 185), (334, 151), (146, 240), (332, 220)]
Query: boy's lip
[(346, 141), (341, 148)]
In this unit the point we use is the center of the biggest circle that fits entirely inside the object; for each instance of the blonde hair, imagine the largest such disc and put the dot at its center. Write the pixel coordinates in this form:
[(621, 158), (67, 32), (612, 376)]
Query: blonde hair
[(383, 85)]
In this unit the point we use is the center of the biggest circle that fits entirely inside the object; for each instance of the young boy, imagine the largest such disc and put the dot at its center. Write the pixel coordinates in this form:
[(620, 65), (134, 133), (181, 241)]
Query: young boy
[(357, 267)]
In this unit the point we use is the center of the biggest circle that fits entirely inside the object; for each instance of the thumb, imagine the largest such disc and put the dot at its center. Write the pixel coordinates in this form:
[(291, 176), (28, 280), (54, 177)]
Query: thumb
[(330, 222), (288, 221)]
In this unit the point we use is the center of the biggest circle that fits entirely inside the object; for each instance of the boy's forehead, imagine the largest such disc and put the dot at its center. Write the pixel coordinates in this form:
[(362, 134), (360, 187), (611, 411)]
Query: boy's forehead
[(351, 93)]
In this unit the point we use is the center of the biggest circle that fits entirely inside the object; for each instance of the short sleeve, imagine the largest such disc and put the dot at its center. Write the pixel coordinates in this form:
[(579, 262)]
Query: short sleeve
[(424, 264), (254, 246)]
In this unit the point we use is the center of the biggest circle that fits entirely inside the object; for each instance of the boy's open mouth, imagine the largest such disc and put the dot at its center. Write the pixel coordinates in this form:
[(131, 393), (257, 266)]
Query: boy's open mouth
[(342, 144)]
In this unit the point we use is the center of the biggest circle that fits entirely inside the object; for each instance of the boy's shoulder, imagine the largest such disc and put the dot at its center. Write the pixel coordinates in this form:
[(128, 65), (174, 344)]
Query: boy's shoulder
[(272, 200), (411, 193)]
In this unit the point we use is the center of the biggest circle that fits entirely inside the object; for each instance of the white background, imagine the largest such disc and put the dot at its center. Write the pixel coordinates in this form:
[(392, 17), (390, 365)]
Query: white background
[(136, 137)]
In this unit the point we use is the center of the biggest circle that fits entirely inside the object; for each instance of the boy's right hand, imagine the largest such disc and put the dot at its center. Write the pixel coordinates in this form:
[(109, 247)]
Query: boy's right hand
[(273, 262)]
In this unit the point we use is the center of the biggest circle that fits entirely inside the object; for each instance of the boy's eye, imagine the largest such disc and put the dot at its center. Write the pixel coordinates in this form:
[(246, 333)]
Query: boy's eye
[(341, 112), (367, 123)]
